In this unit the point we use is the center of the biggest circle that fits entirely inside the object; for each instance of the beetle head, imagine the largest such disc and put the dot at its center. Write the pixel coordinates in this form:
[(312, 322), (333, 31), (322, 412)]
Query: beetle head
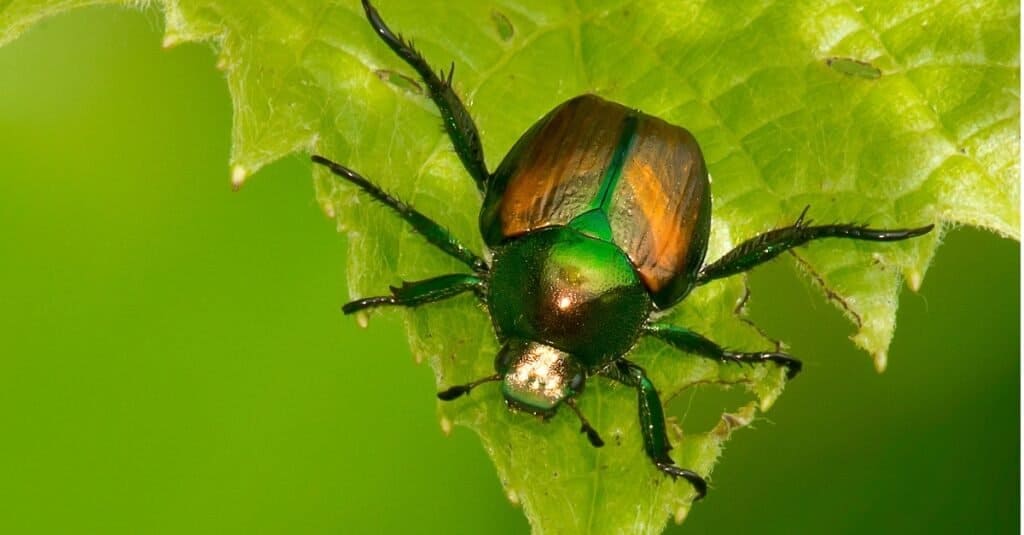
[(537, 378)]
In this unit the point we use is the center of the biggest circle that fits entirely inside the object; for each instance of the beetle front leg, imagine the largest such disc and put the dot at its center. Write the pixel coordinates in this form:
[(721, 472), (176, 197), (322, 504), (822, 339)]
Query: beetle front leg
[(437, 235), (457, 121), (652, 423), (692, 342), (411, 294), (767, 246)]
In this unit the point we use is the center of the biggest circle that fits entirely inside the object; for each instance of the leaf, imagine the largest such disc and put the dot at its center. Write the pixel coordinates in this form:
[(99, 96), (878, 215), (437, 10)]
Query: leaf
[(890, 113)]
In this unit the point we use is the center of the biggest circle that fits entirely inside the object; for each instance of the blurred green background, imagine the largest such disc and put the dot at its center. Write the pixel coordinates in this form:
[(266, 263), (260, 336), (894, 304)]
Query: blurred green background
[(173, 358)]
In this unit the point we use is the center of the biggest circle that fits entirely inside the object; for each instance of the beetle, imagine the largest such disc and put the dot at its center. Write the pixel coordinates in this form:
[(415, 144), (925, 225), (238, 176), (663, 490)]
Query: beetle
[(597, 218)]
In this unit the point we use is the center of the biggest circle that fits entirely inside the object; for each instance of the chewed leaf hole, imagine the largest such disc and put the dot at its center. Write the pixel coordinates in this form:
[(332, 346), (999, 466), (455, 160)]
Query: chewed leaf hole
[(853, 67), (503, 25), (400, 81)]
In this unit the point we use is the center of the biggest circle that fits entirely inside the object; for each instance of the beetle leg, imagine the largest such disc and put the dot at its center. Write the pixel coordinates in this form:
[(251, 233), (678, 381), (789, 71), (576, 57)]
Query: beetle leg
[(652, 423), (426, 227), (457, 121), (767, 246), (411, 294), (692, 342)]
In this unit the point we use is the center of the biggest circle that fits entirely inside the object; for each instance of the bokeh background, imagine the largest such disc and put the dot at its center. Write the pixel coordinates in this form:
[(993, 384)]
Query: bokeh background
[(173, 358)]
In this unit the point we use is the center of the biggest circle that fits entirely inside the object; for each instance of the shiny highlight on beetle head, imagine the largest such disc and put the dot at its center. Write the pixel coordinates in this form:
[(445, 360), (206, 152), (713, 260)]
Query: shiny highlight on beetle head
[(537, 378)]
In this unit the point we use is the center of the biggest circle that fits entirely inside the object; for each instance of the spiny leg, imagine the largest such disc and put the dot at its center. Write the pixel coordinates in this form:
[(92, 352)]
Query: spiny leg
[(692, 342), (411, 294), (652, 423), (428, 228), (457, 121), (458, 390), (764, 247)]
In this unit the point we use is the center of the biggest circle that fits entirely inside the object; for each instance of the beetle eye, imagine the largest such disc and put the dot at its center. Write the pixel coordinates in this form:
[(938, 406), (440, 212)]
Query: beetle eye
[(576, 383)]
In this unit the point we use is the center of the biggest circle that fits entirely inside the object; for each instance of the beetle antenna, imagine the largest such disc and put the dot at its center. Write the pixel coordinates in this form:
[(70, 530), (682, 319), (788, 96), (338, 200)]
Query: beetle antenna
[(591, 433), (458, 390)]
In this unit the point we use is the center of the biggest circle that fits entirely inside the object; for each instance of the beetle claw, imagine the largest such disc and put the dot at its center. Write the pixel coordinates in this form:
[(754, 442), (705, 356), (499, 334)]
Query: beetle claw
[(793, 366), (675, 472)]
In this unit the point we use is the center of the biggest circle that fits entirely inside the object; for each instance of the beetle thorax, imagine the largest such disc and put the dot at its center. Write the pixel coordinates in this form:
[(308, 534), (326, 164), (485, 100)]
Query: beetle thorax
[(572, 292)]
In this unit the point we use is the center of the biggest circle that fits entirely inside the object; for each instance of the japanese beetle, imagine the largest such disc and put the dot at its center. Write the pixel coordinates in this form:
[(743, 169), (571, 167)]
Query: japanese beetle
[(598, 217)]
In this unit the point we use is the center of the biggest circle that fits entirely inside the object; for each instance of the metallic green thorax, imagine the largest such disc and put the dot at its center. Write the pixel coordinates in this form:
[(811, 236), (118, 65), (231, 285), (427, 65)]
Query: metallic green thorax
[(570, 291)]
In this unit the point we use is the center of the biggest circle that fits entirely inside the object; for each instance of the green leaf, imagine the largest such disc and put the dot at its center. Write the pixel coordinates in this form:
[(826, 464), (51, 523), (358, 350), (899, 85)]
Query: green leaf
[(890, 113)]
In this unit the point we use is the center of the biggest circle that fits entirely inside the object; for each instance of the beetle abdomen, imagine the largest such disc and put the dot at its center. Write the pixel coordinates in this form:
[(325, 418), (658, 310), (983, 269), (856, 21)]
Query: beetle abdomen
[(614, 173)]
